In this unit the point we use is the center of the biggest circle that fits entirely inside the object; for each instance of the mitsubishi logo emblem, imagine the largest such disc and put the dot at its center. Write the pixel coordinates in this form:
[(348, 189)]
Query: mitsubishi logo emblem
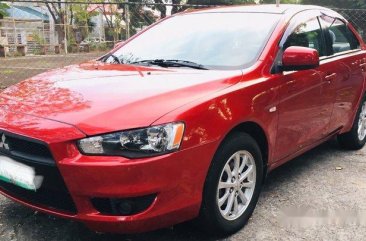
[(3, 143)]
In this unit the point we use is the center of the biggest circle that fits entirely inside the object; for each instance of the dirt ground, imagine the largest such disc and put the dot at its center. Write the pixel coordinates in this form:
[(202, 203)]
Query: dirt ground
[(325, 188), (13, 70)]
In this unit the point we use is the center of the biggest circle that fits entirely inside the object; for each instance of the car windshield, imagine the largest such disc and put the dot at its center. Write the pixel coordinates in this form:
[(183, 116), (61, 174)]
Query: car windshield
[(211, 40)]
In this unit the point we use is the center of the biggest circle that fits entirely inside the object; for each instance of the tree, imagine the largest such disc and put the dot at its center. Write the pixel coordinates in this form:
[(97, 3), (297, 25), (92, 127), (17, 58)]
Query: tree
[(80, 16), (161, 7), (177, 9), (57, 10), (282, 1), (220, 2), (3, 8), (140, 14), (338, 3), (113, 15)]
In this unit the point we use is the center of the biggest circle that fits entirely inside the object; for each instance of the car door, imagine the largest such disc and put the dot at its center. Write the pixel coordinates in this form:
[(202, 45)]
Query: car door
[(347, 63), (304, 112)]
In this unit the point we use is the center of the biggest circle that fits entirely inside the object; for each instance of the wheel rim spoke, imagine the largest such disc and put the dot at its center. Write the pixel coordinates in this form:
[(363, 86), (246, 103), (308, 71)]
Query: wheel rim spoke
[(228, 171), (245, 158), (236, 185), (226, 185), (230, 204), (359, 126), (242, 197), (237, 165), (248, 184), (223, 199), (246, 173), (236, 205)]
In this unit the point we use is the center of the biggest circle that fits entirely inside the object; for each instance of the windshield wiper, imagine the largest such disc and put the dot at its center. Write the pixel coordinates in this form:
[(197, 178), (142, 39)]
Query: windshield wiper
[(115, 58), (171, 63)]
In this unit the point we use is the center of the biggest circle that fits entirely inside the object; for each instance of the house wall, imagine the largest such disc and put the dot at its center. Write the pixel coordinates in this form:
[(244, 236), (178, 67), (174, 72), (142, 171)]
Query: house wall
[(15, 33)]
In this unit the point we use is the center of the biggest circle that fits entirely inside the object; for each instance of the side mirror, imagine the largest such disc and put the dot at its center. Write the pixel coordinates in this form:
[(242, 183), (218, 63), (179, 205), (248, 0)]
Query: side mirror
[(299, 58)]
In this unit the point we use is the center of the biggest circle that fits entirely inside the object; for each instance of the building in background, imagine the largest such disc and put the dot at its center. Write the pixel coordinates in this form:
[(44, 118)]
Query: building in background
[(28, 25)]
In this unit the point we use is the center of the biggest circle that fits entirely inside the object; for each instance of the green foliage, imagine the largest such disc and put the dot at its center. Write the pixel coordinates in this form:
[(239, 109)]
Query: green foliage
[(81, 15), (3, 8), (98, 46), (282, 1), (140, 16), (38, 38), (220, 2), (329, 3), (338, 3), (81, 18)]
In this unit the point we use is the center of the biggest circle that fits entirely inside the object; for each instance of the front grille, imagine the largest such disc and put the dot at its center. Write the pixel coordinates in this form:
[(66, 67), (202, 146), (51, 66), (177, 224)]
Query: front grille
[(26, 148), (53, 193)]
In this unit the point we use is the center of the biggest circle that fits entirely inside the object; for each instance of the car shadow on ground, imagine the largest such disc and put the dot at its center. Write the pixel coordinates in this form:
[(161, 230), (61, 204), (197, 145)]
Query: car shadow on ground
[(29, 225)]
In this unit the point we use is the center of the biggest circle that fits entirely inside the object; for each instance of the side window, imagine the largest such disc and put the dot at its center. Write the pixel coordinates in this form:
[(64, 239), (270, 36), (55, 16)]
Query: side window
[(342, 37), (307, 34)]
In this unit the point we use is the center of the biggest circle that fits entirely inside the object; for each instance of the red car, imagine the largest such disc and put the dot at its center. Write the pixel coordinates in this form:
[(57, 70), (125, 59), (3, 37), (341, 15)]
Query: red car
[(185, 119)]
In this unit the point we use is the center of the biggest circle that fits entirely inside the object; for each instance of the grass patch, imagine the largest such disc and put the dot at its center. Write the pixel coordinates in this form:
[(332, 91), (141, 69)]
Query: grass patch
[(7, 71)]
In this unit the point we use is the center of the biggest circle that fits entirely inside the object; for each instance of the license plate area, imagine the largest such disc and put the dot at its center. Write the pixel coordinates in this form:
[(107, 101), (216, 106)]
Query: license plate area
[(19, 174), (52, 194)]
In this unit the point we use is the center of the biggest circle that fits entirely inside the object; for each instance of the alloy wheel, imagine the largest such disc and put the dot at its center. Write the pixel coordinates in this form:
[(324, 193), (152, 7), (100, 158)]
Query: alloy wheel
[(236, 186), (362, 123)]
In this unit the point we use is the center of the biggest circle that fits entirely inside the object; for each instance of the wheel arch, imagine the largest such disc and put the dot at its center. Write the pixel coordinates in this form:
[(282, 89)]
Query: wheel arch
[(258, 134)]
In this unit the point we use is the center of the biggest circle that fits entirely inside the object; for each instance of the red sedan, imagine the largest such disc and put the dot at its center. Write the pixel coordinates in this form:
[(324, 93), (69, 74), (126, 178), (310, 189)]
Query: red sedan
[(185, 119)]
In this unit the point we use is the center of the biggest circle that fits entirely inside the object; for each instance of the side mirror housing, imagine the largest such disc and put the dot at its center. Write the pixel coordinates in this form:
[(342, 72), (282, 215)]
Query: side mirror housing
[(299, 58)]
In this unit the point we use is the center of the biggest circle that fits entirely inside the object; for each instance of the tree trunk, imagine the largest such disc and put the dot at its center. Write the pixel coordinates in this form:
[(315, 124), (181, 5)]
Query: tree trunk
[(161, 8), (60, 33), (176, 8)]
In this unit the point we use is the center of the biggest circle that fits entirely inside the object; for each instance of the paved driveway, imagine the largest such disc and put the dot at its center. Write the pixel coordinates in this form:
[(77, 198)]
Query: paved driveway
[(328, 183)]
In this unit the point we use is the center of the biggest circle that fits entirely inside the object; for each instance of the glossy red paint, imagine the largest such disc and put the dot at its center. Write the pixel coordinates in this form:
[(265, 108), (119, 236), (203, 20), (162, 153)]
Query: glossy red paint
[(99, 90), (295, 111), (300, 57)]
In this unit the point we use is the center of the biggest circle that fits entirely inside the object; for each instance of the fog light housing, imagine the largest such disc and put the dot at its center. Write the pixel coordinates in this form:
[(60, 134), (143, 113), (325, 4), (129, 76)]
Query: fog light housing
[(123, 206)]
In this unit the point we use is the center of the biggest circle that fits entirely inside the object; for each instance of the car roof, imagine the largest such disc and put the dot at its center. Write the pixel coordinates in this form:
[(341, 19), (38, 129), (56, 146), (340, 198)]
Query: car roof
[(263, 8), (284, 9)]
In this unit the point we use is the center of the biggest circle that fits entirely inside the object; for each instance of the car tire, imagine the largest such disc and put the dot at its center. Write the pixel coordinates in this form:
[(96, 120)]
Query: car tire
[(215, 216), (356, 138)]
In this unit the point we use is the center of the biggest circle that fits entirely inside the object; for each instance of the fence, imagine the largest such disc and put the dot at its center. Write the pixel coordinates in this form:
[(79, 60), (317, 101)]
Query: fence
[(357, 17), (41, 27), (52, 34), (39, 35)]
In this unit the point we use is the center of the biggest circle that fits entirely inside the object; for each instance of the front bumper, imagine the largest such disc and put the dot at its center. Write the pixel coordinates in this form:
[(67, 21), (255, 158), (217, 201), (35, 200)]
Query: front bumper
[(176, 179)]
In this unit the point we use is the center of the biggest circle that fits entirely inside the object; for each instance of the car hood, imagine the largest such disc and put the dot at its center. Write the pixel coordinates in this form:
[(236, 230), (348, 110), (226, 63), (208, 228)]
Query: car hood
[(101, 98)]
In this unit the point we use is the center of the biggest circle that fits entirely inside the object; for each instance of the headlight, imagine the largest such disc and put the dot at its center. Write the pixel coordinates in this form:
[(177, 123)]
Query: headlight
[(137, 143)]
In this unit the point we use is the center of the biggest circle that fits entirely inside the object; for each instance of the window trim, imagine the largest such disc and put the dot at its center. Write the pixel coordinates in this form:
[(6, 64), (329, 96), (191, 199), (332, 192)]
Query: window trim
[(340, 54), (293, 22), (325, 33)]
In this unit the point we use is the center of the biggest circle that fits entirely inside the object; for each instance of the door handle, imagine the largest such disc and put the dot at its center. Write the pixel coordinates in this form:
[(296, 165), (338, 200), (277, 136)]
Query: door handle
[(329, 77)]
